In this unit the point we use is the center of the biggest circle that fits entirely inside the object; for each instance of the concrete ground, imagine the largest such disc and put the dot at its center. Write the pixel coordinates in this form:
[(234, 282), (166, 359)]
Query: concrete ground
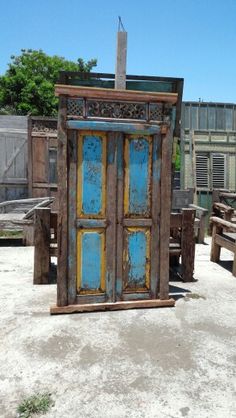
[(156, 363)]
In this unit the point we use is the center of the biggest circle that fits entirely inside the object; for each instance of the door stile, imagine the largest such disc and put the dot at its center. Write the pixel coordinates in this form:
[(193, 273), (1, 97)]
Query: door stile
[(72, 199), (155, 229), (165, 213), (111, 216), (120, 215)]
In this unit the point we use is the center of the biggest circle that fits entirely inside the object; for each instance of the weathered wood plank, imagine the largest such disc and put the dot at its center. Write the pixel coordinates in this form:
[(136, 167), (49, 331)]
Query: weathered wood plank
[(187, 244), (72, 202), (165, 213), (62, 272), (100, 93), (224, 242), (111, 216), (155, 231), (42, 245), (91, 223), (120, 215), (129, 128), (155, 303), (215, 248), (132, 222)]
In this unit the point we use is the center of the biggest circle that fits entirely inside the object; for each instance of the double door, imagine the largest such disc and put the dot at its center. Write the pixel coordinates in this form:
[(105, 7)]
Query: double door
[(114, 239)]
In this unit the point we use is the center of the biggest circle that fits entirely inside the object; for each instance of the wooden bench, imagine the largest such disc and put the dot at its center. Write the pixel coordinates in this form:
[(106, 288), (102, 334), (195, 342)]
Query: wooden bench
[(223, 235), (183, 199), (182, 242), (223, 205), (45, 241)]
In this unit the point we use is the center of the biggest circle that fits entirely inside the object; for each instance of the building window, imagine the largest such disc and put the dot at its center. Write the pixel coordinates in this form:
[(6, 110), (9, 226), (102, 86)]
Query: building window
[(211, 171)]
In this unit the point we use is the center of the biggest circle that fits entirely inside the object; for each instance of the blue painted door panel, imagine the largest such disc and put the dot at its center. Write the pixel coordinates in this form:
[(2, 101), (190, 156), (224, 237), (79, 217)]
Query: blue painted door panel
[(92, 175), (91, 211), (138, 151), (91, 257), (136, 259)]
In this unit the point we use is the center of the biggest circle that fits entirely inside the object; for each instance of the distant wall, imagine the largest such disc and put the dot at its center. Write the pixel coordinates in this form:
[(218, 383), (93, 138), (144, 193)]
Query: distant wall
[(13, 157)]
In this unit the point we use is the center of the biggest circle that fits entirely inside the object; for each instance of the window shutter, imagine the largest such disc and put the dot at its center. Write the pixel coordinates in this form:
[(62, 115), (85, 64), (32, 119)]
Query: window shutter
[(202, 170), (218, 171)]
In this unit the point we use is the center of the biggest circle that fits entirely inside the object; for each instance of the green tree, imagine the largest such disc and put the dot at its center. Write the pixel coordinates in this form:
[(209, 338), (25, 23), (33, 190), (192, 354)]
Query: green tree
[(27, 87)]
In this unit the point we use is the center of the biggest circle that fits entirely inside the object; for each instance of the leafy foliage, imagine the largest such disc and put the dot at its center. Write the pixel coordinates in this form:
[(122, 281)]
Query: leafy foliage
[(36, 404), (177, 159), (28, 84)]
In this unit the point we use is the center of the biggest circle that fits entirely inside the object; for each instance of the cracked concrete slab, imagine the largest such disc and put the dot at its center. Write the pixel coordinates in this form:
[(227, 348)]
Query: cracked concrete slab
[(156, 363)]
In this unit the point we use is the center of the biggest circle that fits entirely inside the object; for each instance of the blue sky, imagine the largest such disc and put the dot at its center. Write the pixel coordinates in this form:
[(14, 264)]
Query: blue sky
[(194, 39)]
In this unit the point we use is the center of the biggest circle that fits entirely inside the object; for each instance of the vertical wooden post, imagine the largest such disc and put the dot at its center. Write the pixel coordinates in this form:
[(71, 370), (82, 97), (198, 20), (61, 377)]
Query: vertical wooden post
[(72, 232), (165, 212), (42, 245), (215, 248), (120, 77), (156, 201), (111, 210), (187, 244), (30, 158), (201, 230), (62, 279)]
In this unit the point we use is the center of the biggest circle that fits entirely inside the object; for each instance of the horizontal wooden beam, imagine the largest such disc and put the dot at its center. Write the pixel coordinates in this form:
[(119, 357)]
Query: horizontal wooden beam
[(129, 128), (111, 94), (91, 223), (222, 223), (224, 242), (154, 303), (132, 222)]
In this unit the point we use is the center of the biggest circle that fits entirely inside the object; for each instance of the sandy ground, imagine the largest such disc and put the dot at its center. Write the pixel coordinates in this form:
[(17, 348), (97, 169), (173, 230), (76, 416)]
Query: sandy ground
[(169, 362)]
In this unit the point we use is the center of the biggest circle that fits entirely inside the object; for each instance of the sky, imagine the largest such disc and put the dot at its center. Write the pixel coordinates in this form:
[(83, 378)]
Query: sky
[(193, 39)]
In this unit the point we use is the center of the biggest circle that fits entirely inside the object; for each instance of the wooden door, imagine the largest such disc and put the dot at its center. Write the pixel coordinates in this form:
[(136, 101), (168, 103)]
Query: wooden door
[(96, 216), (117, 216), (138, 218)]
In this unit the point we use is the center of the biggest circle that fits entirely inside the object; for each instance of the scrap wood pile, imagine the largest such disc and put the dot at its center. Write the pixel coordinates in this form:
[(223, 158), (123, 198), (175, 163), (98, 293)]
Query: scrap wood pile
[(15, 214)]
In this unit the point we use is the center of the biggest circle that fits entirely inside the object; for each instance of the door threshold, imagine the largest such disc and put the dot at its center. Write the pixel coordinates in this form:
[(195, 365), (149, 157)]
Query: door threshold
[(112, 306)]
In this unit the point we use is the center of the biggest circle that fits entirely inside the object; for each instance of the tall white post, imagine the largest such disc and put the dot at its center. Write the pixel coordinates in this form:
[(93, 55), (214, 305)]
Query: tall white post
[(121, 54)]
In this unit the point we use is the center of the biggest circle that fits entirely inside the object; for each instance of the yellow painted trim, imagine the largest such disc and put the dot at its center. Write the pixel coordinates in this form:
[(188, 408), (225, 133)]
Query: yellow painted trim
[(103, 136), (103, 259), (127, 183), (80, 233), (79, 260), (148, 257)]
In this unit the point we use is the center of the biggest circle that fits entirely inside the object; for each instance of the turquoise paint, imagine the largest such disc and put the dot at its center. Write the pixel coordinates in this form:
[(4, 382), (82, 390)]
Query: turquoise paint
[(92, 175), (137, 243), (129, 128), (91, 260), (144, 85), (156, 160), (138, 176)]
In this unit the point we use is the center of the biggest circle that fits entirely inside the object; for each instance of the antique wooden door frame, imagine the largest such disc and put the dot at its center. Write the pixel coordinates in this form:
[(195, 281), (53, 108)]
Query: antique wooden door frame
[(67, 293)]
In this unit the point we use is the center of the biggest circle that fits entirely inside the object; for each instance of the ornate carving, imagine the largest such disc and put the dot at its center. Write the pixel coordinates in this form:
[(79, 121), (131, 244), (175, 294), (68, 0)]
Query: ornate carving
[(75, 107), (43, 125), (117, 110), (156, 111)]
